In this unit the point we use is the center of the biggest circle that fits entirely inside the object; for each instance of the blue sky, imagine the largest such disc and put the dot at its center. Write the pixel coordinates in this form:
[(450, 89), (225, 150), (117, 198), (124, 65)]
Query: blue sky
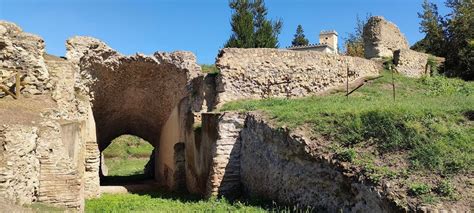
[(200, 26)]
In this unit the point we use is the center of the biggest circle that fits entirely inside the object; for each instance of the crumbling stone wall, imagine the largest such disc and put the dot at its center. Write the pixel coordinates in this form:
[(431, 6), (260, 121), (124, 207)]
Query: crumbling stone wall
[(24, 52), (58, 113), (412, 63), (382, 38), (60, 174), (261, 73), (244, 154), (42, 162), (19, 164), (279, 165)]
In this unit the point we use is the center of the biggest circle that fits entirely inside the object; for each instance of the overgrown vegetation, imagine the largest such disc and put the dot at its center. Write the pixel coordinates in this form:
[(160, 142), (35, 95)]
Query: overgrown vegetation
[(427, 121), (419, 189), (451, 36), (446, 188)]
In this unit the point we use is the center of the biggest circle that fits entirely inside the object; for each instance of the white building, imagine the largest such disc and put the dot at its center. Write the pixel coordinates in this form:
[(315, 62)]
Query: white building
[(327, 43)]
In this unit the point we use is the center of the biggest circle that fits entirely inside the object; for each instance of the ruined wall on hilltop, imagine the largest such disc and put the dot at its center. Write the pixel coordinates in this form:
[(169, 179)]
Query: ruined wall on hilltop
[(382, 38), (412, 63), (261, 73)]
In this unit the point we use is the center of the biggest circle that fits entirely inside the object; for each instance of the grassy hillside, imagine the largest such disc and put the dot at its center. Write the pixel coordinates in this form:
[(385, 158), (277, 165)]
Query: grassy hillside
[(127, 155), (422, 140)]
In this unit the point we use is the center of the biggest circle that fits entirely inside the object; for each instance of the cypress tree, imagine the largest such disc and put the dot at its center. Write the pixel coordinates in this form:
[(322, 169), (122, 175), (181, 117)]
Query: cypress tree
[(299, 39), (250, 27), (242, 24)]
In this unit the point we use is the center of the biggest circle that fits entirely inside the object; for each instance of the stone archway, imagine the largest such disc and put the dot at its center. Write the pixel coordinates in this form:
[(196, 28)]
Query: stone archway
[(151, 97)]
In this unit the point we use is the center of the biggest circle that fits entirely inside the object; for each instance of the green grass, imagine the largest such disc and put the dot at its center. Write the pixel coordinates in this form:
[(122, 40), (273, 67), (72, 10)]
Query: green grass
[(43, 207), (209, 68), (127, 155), (126, 167), (128, 146), (156, 203), (431, 119)]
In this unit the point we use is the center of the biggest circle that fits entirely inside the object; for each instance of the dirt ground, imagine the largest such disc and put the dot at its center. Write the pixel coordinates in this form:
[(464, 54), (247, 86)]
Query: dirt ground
[(25, 110)]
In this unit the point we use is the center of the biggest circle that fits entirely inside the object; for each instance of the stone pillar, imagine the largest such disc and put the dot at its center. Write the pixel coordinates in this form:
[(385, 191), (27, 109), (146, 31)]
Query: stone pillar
[(222, 132)]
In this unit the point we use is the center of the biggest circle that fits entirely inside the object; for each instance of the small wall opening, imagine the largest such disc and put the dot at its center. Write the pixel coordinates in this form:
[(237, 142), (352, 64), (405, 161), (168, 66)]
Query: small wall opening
[(127, 160)]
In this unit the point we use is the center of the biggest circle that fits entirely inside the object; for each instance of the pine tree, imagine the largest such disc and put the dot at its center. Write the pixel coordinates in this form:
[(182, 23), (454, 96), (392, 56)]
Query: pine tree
[(299, 39), (432, 25), (266, 31), (250, 27), (242, 25)]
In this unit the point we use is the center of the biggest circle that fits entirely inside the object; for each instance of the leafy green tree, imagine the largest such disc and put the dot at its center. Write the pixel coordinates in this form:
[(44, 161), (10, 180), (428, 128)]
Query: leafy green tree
[(432, 25), (354, 43), (299, 39), (250, 26), (460, 39)]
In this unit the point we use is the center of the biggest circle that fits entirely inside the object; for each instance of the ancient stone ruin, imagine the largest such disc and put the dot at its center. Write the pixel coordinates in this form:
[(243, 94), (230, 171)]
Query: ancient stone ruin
[(146, 96), (71, 108), (384, 40), (261, 73)]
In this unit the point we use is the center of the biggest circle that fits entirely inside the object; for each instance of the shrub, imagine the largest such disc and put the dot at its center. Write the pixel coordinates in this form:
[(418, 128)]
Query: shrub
[(346, 155), (445, 188), (434, 65), (438, 86), (387, 63), (418, 189)]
